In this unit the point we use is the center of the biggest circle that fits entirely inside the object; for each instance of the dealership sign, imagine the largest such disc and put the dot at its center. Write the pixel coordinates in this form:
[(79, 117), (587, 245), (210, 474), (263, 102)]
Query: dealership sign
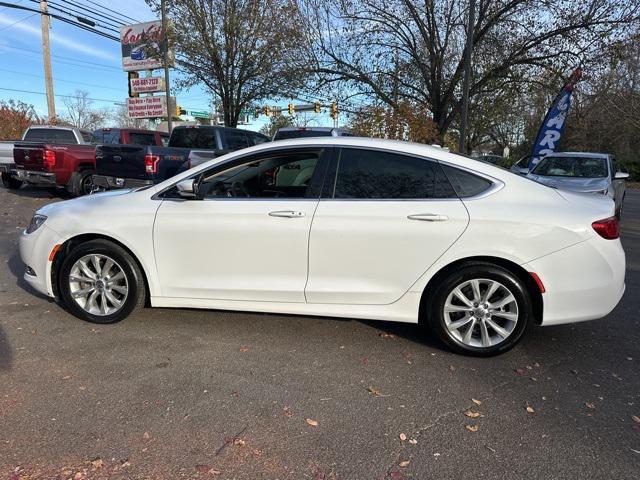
[(147, 85), (140, 43), (147, 107)]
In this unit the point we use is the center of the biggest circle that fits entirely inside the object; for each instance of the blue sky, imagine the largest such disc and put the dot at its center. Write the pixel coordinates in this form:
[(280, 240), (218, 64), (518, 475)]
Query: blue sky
[(80, 60)]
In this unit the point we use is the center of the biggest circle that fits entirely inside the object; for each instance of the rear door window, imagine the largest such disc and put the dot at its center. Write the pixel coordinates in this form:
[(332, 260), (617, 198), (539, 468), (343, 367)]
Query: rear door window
[(199, 138), (377, 175), (465, 184)]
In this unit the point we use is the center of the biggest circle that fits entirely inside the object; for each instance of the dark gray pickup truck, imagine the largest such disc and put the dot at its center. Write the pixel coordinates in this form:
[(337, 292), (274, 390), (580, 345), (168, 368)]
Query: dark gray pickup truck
[(129, 166)]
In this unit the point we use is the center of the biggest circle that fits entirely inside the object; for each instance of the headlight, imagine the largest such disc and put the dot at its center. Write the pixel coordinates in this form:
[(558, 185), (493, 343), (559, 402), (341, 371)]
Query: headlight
[(36, 222)]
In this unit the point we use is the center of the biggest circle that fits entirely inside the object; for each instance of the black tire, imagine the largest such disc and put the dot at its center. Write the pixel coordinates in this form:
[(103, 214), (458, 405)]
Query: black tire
[(10, 182), (135, 283), (435, 305), (81, 184)]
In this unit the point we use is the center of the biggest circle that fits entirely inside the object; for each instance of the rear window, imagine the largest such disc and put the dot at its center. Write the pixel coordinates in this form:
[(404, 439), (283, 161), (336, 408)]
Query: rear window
[(142, 138), (204, 138), (465, 184), (50, 135), (302, 133), (107, 136), (578, 167)]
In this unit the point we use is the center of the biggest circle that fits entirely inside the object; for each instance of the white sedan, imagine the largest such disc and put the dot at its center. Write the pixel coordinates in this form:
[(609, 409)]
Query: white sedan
[(340, 226)]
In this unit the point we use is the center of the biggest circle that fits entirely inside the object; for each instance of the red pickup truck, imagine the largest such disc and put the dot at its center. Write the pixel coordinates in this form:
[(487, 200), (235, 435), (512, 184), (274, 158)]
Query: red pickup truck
[(65, 157)]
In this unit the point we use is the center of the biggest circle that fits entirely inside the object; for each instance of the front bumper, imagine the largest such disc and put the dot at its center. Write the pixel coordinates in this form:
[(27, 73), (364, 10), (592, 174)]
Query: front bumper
[(582, 282), (36, 178), (34, 252), (108, 182)]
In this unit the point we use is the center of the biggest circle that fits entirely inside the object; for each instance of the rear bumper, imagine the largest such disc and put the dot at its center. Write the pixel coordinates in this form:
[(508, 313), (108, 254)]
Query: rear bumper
[(7, 167), (105, 181), (37, 178), (582, 282)]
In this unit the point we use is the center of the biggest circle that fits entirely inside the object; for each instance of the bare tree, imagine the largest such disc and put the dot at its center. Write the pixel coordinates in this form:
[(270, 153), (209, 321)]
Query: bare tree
[(80, 112), (405, 50), (243, 51)]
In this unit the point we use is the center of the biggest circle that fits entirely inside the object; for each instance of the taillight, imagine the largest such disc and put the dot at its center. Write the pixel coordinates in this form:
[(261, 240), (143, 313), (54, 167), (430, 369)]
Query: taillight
[(49, 158), (607, 228), (151, 163)]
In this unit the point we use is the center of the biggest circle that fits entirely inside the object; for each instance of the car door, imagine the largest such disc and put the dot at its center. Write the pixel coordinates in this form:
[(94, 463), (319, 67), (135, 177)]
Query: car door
[(247, 237), (381, 224)]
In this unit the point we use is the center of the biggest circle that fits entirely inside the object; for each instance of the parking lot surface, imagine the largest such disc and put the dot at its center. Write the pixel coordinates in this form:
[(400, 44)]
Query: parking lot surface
[(230, 395)]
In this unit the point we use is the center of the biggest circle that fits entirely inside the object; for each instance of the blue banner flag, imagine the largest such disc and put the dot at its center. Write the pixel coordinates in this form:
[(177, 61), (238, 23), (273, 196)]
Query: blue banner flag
[(553, 124)]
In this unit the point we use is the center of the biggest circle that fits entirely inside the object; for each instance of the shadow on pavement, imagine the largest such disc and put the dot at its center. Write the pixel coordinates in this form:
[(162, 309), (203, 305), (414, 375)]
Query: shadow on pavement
[(16, 267), (6, 356)]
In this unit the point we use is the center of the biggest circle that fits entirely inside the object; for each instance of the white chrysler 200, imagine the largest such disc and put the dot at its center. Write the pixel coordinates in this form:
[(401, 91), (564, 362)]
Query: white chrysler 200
[(346, 227)]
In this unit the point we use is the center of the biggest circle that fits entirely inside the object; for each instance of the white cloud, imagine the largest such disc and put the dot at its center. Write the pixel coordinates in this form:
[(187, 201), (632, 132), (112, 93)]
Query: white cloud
[(58, 39)]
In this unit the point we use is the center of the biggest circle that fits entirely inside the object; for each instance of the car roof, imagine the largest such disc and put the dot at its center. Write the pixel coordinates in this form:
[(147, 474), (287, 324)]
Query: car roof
[(313, 129), (579, 154), (57, 127)]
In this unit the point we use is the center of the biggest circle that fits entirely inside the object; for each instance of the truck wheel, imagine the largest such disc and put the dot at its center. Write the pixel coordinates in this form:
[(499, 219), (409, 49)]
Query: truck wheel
[(11, 182), (81, 184)]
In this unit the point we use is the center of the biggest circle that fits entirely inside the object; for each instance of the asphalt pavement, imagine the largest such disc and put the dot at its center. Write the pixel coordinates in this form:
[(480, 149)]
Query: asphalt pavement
[(171, 394)]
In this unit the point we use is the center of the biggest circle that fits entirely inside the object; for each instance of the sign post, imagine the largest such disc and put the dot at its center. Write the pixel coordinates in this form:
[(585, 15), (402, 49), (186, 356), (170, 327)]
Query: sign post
[(166, 57)]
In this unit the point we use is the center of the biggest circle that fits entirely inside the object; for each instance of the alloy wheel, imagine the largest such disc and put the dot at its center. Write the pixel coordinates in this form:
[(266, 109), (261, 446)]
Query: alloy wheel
[(98, 284), (480, 313)]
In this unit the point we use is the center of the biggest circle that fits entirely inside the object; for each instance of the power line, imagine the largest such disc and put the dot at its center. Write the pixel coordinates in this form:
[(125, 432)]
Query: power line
[(95, 13), (84, 14), (113, 11), (62, 19), (58, 95), (61, 80), (19, 21), (7, 8), (76, 61), (79, 19)]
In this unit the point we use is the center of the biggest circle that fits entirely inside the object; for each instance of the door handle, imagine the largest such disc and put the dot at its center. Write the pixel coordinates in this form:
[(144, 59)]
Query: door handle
[(287, 214), (428, 217)]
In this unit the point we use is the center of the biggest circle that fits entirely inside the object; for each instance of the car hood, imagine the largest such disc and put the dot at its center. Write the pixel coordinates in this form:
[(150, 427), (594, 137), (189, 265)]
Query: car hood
[(575, 184), (85, 201)]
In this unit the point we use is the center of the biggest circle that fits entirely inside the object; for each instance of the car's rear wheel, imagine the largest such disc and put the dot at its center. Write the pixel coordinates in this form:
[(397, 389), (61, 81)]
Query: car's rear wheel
[(82, 183), (480, 309), (100, 282)]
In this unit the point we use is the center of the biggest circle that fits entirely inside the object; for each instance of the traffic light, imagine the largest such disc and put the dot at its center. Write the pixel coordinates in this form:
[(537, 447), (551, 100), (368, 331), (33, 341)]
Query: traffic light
[(131, 76), (291, 109), (266, 110), (257, 112), (316, 107), (180, 111), (334, 110)]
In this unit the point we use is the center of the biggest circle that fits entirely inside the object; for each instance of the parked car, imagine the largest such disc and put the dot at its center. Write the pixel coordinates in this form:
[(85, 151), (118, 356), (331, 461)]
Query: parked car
[(521, 167), (489, 158), (120, 166), (55, 156), (381, 230), (129, 136), (287, 133), (597, 173), (64, 157), (6, 165)]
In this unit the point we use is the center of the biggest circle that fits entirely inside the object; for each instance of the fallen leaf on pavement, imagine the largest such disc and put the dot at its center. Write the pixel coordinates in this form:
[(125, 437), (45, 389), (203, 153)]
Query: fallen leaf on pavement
[(311, 422), (471, 414), (206, 469), (522, 372), (589, 405), (477, 402), (403, 437), (404, 463), (472, 428), (375, 392), (66, 377), (244, 349), (386, 335), (530, 409), (413, 441), (287, 412), (146, 436), (97, 463), (635, 418), (239, 442)]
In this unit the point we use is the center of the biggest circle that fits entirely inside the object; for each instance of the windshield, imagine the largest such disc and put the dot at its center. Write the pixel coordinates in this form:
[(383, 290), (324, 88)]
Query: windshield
[(580, 167), (302, 133)]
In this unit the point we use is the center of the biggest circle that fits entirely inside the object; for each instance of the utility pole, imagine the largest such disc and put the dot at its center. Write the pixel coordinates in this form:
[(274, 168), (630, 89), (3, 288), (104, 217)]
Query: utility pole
[(165, 52), (467, 77), (46, 60)]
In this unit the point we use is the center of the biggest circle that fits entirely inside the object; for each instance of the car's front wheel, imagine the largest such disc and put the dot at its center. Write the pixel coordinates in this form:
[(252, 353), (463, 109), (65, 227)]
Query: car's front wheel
[(480, 309), (100, 282)]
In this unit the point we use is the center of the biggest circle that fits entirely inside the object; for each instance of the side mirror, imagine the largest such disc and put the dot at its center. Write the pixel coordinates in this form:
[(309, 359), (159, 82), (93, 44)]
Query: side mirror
[(187, 188), (621, 176)]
